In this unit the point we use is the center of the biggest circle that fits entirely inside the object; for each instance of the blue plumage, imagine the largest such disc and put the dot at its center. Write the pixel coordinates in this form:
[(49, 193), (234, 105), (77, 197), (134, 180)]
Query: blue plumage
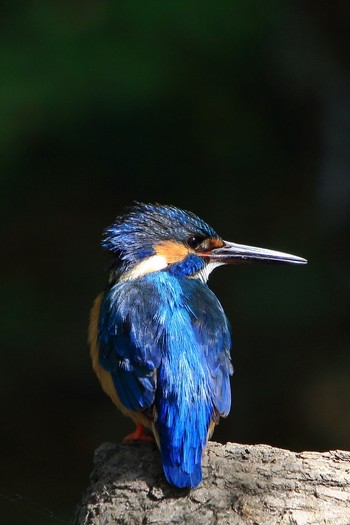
[(159, 322), (159, 338)]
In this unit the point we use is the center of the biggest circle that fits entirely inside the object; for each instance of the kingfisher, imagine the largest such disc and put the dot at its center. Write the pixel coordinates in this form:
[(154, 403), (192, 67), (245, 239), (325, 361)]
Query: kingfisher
[(159, 338)]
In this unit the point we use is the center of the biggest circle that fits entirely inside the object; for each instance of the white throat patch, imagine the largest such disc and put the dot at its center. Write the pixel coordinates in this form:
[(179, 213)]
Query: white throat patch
[(149, 265), (204, 273)]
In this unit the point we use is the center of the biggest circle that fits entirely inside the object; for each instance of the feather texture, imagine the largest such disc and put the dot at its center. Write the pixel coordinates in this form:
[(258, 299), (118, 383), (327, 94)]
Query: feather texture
[(165, 340)]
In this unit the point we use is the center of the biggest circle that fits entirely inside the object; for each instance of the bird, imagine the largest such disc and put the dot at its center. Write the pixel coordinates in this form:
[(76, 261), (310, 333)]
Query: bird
[(159, 338)]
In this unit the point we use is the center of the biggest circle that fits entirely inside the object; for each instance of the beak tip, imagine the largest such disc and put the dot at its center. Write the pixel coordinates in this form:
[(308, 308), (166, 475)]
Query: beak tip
[(300, 260)]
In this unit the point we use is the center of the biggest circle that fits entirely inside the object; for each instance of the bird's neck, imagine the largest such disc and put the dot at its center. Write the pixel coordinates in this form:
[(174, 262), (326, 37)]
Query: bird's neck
[(192, 267)]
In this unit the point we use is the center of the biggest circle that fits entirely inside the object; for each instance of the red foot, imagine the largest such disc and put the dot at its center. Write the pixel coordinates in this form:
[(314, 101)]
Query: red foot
[(139, 434)]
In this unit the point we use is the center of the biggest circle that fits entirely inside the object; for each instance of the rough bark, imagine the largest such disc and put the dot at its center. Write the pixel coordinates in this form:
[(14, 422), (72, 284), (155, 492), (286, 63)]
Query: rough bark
[(243, 485)]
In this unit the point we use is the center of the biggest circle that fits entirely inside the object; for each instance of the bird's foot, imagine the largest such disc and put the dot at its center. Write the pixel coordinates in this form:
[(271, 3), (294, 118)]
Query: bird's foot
[(139, 434)]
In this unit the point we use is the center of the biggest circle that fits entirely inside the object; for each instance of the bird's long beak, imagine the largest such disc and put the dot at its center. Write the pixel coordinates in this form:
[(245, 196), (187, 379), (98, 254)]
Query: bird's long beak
[(232, 253)]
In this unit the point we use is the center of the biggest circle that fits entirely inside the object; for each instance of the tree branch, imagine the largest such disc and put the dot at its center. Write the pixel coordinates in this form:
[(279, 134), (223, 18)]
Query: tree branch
[(242, 485)]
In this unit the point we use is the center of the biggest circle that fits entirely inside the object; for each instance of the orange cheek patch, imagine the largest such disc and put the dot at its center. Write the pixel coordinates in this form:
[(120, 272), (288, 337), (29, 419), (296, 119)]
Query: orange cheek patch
[(216, 243), (208, 245), (172, 251)]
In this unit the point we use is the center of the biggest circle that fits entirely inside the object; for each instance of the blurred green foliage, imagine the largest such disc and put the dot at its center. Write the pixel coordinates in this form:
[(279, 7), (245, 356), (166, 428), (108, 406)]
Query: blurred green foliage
[(238, 111)]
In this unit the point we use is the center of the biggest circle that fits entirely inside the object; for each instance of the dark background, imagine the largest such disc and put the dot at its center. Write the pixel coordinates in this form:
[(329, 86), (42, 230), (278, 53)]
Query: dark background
[(238, 111)]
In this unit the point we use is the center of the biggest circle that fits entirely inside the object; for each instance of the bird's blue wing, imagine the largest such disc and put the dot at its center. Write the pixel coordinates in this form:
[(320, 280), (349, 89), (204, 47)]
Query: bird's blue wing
[(212, 331), (130, 338)]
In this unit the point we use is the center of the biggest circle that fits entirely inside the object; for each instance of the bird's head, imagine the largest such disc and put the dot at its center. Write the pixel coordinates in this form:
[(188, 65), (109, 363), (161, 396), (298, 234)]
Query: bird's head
[(154, 237)]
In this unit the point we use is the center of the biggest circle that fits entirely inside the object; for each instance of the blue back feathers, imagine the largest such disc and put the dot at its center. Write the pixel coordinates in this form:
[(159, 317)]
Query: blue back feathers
[(166, 342)]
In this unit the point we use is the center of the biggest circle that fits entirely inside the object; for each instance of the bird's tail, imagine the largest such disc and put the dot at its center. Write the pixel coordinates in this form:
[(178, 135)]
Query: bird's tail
[(183, 432)]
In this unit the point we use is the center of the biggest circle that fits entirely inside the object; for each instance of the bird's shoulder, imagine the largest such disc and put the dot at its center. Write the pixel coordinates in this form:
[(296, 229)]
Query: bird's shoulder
[(151, 299)]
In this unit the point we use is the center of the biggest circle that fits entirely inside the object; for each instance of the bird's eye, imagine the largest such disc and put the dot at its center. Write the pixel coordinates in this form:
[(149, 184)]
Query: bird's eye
[(194, 241)]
